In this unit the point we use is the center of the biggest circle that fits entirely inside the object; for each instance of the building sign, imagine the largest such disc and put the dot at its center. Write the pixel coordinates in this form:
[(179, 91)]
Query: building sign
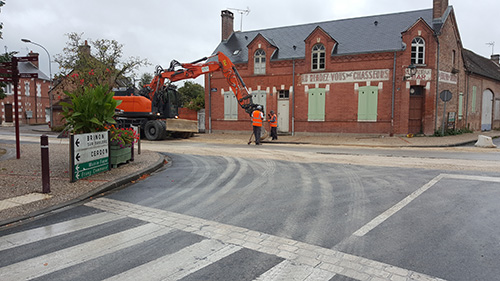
[(447, 77), (422, 74), (346, 76), (89, 154)]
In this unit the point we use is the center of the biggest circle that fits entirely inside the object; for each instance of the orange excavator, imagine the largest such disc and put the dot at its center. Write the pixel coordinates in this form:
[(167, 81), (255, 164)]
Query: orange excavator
[(155, 109)]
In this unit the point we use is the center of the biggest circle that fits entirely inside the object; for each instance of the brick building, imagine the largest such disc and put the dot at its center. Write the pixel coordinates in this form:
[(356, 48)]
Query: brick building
[(381, 74), (33, 97)]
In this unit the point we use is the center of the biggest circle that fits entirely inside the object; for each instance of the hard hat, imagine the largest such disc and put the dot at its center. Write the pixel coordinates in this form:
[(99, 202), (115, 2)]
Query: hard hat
[(259, 107)]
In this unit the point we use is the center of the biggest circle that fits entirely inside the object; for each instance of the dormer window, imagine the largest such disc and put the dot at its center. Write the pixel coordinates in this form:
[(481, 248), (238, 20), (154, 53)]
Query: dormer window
[(318, 57), (259, 62), (418, 51)]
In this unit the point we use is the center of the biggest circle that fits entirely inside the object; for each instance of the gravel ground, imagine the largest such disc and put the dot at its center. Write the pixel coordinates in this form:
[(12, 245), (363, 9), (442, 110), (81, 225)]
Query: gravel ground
[(23, 176)]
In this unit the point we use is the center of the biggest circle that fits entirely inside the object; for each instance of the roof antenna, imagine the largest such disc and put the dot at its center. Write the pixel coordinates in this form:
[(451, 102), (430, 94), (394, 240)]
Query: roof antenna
[(246, 12), (492, 44)]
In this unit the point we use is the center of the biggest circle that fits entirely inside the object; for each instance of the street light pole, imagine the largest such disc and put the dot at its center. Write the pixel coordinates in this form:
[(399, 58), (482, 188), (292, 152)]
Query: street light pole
[(50, 75)]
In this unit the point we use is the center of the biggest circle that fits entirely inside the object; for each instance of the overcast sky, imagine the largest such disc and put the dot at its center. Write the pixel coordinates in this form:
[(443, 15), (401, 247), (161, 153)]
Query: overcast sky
[(163, 30)]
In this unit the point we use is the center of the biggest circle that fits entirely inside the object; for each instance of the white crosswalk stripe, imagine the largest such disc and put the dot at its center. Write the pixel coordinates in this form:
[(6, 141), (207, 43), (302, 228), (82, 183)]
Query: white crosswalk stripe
[(288, 271), (42, 265), (181, 263), (41, 233)]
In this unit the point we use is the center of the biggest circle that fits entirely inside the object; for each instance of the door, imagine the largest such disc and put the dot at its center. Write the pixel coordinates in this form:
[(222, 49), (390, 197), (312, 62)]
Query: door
[(486, 110), (8, 113), (416, 109), (283, 115)]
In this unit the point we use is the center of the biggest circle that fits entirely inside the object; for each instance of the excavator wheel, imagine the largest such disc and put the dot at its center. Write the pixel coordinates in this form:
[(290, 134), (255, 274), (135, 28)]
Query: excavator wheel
[(154, 130)]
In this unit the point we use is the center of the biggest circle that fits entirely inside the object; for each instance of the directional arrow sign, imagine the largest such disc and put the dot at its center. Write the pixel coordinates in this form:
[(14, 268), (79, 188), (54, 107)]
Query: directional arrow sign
[(90, 154)]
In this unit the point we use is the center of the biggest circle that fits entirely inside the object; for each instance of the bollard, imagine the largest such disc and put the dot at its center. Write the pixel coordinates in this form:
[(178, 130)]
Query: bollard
[(44, 146)]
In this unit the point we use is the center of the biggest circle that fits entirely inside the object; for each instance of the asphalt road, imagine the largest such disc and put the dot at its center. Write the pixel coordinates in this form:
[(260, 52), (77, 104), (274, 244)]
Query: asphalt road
[(233, 218)]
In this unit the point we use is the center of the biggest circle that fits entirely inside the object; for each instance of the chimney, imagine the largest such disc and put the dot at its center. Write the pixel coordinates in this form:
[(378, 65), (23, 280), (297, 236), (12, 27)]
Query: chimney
[(227, 24), (84, 49), (31, 54), (438, 8), (496, 58)]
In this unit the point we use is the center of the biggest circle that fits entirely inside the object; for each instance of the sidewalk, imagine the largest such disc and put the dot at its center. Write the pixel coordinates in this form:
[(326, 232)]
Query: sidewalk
[(20, 179)]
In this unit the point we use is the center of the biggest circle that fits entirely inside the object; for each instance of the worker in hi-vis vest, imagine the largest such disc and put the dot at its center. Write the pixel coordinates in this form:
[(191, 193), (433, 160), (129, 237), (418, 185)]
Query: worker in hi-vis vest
[(273, 121), (257, 117)]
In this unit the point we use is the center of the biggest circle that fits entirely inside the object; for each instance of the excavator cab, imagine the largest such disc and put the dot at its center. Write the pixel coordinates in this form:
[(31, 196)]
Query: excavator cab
[(166, 102)]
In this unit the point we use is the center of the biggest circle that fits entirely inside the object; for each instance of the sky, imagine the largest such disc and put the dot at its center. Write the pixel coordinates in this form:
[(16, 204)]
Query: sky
[(164, 30)]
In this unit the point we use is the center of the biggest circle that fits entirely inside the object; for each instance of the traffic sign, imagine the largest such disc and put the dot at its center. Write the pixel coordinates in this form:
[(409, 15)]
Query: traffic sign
[(446, 95), (28, 75), (90, 154)]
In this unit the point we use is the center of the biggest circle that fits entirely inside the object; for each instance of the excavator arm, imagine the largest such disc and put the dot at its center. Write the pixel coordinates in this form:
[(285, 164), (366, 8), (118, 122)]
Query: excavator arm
[(180, 71)]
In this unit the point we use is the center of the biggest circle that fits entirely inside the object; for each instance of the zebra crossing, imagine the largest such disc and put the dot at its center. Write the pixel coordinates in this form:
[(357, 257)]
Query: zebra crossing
[(186, 247)]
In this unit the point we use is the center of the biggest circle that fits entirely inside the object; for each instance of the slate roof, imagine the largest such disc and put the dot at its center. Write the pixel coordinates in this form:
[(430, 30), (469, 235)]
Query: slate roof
[(356, 35), (28, 67), (480, 65)]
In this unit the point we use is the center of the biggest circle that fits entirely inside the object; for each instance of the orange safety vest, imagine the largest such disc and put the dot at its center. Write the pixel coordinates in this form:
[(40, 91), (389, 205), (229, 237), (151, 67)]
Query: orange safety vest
[(256, 118), (274, 121)]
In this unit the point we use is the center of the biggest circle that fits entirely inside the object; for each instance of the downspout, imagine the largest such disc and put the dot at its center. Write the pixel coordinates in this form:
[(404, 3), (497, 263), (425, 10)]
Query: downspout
[(293, 97), (467, 99), (391, 133), (209, 103), (437, 82)]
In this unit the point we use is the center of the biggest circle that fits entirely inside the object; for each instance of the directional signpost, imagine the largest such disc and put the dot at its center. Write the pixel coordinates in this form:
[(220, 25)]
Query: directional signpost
[(10, 74), (89, 154)]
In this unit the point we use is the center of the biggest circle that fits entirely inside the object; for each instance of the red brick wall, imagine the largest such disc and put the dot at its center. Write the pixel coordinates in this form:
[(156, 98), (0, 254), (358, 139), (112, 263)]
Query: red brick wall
[(341, 103), (34, 103)]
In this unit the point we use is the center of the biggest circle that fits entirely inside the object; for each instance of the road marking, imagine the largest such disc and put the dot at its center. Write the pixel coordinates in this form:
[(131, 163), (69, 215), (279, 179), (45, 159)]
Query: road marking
[(297, 252), (180, 264), (45, 264), (400, 205), (21, 200), (288, 271), (41, 233)]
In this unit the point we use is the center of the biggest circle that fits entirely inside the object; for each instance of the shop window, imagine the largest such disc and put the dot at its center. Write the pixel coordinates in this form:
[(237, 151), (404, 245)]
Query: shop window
[(367, 103), (316, 104), (418, 51), (318, 57), (259, 62)]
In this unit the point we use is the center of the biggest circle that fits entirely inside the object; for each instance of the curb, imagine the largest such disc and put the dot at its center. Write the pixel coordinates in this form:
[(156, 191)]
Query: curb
[(101, 189)]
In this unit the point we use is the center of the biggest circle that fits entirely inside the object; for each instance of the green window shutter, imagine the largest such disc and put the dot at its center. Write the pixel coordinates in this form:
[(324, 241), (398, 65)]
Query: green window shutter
[(474, 90), (316, 104), (460, 106), (367, 103)]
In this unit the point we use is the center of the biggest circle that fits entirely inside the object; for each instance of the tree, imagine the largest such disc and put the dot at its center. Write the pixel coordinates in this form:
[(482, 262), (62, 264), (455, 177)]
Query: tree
[(101, 65), (146, 78), (192, 96)]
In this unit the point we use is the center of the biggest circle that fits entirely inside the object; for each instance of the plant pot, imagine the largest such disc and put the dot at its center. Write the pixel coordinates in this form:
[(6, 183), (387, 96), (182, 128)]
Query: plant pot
[(119, 155)]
